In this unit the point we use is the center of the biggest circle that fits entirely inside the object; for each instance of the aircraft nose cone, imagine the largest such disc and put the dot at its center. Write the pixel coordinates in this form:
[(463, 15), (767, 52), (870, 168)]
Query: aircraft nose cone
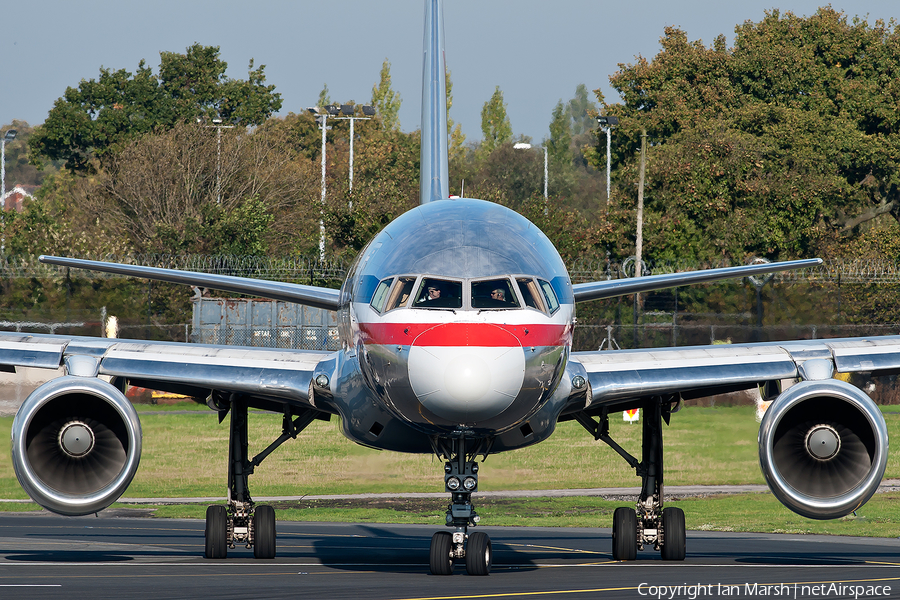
[(466, 383), (467, 378)]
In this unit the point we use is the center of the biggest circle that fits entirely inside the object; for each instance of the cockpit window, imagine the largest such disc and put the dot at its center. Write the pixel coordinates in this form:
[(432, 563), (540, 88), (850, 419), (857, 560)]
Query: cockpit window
[(494, 293), (439, 293), (401, 293), (531, 294), (550, 295), (380, 295)]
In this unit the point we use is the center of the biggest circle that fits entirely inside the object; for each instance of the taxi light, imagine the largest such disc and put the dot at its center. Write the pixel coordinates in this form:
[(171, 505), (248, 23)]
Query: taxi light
[(470, 483), (453, 483)]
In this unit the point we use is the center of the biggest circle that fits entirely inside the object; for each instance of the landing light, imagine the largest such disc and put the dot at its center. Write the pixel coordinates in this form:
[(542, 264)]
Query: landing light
[(322, 381), (470, 483), (453, 483)]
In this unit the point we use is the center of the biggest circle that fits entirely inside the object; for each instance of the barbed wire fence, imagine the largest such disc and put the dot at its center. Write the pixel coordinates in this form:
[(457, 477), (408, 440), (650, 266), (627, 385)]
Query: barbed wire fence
[(294, 268), (858, 270), (289, 268)]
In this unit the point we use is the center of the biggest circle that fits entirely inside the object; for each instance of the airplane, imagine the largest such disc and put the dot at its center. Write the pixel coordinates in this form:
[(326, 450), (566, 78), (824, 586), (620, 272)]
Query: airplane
[(456, 326)]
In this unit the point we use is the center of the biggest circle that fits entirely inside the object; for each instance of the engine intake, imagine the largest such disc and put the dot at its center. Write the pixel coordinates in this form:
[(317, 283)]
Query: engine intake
[(76, 445), (823, 448)]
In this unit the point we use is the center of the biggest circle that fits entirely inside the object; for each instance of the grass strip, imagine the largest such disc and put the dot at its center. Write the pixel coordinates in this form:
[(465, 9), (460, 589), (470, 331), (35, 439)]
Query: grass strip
[(739, 513), (185, 454)]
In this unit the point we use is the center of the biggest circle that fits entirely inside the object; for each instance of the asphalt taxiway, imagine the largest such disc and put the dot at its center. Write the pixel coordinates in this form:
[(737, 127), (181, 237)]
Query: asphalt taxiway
[(48, 556)]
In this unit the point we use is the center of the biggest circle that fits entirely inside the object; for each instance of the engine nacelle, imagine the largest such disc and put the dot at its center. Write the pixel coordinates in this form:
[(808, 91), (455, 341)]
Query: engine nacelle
[(76, 445), (823, 448)]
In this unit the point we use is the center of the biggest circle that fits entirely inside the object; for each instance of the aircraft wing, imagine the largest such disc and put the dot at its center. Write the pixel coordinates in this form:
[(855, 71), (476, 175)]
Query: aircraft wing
[(596, 290), (617, 376), (283, 376), (308, 295)]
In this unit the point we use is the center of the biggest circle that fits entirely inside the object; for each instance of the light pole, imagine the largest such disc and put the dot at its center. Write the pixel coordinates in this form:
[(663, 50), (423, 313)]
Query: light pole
[(322, 120), (9, 136), (606, 124), (347, 111), (527, 146), (217, 123)]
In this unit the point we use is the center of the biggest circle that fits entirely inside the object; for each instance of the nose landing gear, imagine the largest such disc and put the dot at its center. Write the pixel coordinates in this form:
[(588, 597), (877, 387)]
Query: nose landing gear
[(461, 479)]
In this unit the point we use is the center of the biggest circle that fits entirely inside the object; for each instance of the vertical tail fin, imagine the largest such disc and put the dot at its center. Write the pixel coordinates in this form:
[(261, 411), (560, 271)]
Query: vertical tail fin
[(434, 178)]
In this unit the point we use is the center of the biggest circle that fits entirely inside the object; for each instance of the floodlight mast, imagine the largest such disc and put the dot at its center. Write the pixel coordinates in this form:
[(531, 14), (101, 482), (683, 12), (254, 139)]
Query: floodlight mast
[(606, 124), (217, 123), (347, 110), (322, 120), (9, 136)]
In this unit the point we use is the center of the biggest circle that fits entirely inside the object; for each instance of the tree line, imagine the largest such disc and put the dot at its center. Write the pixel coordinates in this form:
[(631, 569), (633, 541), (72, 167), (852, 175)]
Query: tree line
[(784, 145)]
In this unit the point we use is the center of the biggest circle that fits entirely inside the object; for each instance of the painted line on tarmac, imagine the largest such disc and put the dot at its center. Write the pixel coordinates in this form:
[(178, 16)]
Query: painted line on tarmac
[(574, 550)]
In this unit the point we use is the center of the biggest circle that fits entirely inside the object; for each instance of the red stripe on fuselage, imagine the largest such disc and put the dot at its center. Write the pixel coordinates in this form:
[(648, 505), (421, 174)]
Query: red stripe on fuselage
[(465, 334)]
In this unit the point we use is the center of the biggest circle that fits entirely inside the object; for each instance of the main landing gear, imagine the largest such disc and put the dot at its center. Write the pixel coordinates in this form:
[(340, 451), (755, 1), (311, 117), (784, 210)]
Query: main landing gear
[(461, 479), (241, 521), (649, 522)]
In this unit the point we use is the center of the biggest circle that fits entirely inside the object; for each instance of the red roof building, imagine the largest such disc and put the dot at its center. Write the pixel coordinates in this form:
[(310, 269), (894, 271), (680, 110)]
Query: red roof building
[(15, 197)]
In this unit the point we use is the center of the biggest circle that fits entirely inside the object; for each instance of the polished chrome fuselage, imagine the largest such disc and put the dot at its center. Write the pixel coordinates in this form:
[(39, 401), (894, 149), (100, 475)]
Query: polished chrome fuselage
[(466, 365)]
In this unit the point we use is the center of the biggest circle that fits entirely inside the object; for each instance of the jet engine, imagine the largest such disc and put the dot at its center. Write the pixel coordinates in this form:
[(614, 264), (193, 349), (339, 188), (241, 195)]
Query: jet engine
[(76, 445), (823, 448)]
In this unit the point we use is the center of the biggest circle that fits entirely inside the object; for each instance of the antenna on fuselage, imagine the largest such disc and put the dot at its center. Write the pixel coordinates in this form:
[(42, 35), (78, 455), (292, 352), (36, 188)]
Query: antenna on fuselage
[(434, 178)]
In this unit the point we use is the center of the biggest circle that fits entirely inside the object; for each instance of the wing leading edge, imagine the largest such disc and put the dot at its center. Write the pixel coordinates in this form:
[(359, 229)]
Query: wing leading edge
[(597, 290), (308, 295), (283, 376)]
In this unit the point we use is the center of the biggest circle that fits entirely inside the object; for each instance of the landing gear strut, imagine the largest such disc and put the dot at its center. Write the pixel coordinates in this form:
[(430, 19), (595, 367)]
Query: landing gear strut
[(648, 522), (242, 521), (461, 479)]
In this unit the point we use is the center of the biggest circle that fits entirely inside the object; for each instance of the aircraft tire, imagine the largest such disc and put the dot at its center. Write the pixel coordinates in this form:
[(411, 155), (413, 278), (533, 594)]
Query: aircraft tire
[(624, 534), (673, 547), (478, 554), (441, 562), (264, 532), (216, 532)]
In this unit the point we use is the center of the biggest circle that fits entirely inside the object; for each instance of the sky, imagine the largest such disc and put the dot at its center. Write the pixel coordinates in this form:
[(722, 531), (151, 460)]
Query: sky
[(537, 51)]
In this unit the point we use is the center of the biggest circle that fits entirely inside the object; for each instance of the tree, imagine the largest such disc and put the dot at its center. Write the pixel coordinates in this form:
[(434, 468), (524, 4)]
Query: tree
[(19, 169), (324, 97), (160, 193), (102, 115), (385, 100), (456, 146), (495, 126), (766, 147), (581, 111), (558, 146)]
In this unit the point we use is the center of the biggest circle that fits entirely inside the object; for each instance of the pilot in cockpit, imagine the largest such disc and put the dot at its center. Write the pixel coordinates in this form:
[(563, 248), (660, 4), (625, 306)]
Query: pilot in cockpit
[(432, 293)]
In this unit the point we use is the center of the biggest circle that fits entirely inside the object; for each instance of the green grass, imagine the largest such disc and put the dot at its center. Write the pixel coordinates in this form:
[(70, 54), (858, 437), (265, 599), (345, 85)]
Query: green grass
[(740, 512), (184, 455)]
